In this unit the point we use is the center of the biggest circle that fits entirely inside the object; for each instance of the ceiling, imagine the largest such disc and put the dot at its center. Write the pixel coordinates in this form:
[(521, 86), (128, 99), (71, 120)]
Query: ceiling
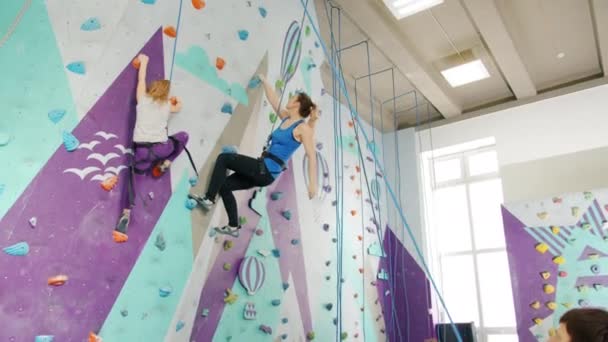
[(528, 46)]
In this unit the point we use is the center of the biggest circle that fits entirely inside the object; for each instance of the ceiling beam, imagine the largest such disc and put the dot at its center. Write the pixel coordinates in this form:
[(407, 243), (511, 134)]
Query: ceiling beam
[(388, 38), (489, 23), (599, 10)]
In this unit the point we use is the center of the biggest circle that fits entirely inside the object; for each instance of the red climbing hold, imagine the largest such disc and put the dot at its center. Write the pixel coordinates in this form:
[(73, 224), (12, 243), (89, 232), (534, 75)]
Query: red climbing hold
[(119, 237), (57, 280), (357, 168), (220, 63), (358, 192), (198, 4), (170, 31)]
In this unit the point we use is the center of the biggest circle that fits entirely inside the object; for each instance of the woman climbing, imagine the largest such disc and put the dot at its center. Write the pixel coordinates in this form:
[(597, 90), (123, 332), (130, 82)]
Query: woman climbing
[(153, 148), (250, 172)]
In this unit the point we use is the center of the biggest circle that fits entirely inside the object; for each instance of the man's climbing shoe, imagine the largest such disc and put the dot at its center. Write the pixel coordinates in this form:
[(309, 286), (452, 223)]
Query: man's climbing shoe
[(161, 168), (120, 232), (202, 201), (227, 230)]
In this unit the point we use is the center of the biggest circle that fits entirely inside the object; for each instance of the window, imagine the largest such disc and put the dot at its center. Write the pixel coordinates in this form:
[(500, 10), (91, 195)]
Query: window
[(463, 194)]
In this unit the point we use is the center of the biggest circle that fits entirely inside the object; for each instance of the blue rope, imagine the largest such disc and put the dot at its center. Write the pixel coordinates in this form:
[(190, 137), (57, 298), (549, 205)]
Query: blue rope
[(179, 19), (355, 117)]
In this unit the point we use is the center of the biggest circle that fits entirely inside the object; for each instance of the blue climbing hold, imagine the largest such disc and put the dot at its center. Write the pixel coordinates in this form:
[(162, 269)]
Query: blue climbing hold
[(69, 141), (317, 44), (263, 12), (179, 326), (193, 181), (2, 187), (190, 204), (165, 291), (254, 82), (284, 320), (285, 286), (160, 242), (276, 302), (286, 214), (276, 253), (44, 338), (91, 24), (77, 68), (205, 313), (227, 108), (18, 249), (212, 233), (382, 275), (229, 149), (243, 34), (295, 242), (56, 115), (124, 313), (284, 337), (148, 2), (275, 196)]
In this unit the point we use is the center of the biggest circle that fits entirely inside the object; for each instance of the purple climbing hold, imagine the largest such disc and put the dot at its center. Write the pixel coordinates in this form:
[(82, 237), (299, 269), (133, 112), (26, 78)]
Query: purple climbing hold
[(259, 232), (319, 146), (266, 329)]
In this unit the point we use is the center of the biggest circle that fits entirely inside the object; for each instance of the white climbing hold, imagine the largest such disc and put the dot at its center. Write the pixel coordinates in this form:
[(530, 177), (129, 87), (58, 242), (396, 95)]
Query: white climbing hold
[(151, 195), (264, 252), (33, 222)]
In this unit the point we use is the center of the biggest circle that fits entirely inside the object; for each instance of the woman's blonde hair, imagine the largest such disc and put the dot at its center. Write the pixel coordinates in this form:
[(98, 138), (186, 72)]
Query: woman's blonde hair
[(159, 90)]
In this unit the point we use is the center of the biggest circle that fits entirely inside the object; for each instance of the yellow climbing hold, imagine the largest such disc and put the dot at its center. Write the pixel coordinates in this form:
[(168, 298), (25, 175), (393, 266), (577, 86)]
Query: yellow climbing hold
[(548, 288), (575, 211), (230, 297), (538, 321), (552, 332), (542, 247), (593, 256), (555, 230), (535, 305), (543, 215), (551, 305), (559, 260), (545, 275), (567, 305)]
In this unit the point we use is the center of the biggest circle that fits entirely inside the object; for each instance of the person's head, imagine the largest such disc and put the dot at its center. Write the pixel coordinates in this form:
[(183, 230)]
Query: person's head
[(159, 90), (300, 105), (582, 325)]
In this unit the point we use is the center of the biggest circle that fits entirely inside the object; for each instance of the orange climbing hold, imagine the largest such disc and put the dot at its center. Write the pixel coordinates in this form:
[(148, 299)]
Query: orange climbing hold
[(353, 212), (358, 192), (359, 237), (170, 31), (94, 338), (220, 63), (57, 280), (109, 183), (173, 100), (119, 237), (351, 124), (198, 4), (358, 168), (136, 63)]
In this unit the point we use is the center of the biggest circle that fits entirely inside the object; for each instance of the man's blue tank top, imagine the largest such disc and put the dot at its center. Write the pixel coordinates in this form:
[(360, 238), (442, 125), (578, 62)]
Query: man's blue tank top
[(282, 145)]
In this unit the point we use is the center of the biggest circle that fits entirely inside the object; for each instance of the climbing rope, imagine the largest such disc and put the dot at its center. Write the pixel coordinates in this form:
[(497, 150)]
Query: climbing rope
[(11, 29), (177, 30), (356, 119)]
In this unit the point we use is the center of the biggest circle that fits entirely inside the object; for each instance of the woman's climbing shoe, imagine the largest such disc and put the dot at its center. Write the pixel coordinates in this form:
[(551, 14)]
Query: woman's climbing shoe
[(120, 232), (161, 168), (203, 201), (228, 230)]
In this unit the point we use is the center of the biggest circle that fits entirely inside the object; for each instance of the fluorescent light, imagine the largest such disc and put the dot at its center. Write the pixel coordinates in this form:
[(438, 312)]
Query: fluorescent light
[(466, 73), (404, 8)]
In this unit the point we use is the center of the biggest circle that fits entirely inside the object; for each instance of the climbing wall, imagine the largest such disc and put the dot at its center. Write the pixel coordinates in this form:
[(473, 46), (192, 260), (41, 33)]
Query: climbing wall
[(558, 258), (65, 135)]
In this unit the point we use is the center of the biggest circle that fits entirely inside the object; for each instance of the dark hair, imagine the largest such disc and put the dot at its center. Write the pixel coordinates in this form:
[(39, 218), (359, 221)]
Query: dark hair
[(586, 325), (306, 105)]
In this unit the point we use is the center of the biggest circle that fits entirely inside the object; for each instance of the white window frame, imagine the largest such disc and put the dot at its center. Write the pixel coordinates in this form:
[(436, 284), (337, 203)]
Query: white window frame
[(430, 186)]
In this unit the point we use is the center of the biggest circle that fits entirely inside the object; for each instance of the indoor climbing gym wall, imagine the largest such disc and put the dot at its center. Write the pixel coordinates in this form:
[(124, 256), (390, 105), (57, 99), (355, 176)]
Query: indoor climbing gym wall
[(558, 258), (324, 269)]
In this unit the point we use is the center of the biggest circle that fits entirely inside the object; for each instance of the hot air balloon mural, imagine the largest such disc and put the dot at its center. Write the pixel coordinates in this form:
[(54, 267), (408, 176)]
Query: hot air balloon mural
[(252, 274), (292, 50), (322, 173)]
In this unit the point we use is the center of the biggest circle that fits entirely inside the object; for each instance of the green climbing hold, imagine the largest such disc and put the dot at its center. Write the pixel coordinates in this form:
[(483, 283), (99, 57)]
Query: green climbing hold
[(227, 266), (279, 84), (307, 31), (242, 220), (228, 245), (272, 117), (344, 336), (311, 335)]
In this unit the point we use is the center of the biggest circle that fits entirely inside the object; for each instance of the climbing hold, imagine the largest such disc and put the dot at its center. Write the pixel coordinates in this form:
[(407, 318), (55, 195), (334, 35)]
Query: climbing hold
[(263, 12), (375, 249), (272, 117), (160, 242), (310, 336), (327, 278), (317, 46), (575, 211), (136, 63), (109, 183), (559, 260), (230, 297), (548, 288), (286, 214), (541, 247), (595, 269), (383, 275), (190, 203), (44, 338), (227, 266), (598, 287), (259, 232), (179, 326), (537, 321), (193, 181), (57, 280), (284, 337), (266, 329), (151, 195), (285, 286), (124, 313), (198, 4), (334, 240), (307, 31), (326, 227), (329, 306), (56, 115), (229, 149), (91, 24), (170, 31), (555, 230), (284, 320), (254, 82), (165, 291), (212, 232), (586, 226), (148, 2), (263, 252), (242, 220), (344, 336), (220, 63), (227, 108), (543, 215), (205, 312), (581, 288), (562, 274), (535, 305), (252, 274), (295, 242), (353, 212), (275, 302), (593, 256), (583, 303), (279, 84), (588, 195), (557, 200), (228, 245), (69, 141), (77, 68), (551, 305), (94, 338), (243, 34), (18, 249), (276, 253), (275, 196), (327, 263), (249, 313), (545, 275), (33, 222)]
